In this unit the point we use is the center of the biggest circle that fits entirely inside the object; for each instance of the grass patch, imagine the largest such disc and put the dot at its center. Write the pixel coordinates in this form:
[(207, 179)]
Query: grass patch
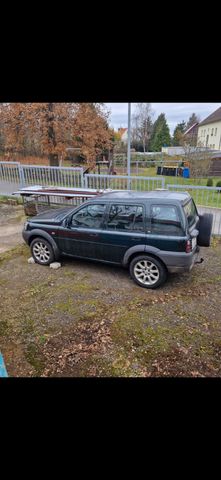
[(4, 328), (19, 250), (143, 341), (8, 198), (35, 358), (68, 307)]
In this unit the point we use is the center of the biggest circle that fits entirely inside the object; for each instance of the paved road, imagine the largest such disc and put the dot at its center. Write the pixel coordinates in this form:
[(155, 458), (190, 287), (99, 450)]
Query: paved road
[(216, 218), (7, 188)]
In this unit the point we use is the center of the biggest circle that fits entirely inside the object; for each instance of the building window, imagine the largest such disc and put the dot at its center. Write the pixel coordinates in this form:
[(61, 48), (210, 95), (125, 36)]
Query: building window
[(215, 131), (212, 131)]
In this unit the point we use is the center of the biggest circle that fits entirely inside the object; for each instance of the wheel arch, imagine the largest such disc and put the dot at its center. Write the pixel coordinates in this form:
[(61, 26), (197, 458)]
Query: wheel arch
[(40, 233), (142, 250)]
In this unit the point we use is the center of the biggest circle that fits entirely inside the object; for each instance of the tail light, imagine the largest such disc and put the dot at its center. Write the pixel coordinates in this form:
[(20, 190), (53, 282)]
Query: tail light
[(188, 246)]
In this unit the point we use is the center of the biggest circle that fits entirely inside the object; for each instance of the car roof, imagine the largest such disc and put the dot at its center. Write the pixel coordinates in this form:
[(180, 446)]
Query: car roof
[(133, 195)]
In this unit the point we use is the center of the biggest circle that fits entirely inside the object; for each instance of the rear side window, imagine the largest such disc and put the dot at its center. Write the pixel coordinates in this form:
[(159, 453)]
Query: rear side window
[(165, 220), (126, 217), (190, 212)]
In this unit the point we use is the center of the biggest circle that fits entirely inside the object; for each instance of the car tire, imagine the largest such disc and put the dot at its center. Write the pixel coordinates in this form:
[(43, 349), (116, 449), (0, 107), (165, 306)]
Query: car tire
[(205, 230), (147, 271), (42, 251)]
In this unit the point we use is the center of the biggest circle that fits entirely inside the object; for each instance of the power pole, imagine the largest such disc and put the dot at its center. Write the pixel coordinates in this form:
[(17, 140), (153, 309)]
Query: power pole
[(128, 147)]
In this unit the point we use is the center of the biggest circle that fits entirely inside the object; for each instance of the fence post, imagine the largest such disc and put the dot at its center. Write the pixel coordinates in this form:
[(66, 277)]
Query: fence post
[(21, 176), (82, 178), (163, 182), (85, 182)]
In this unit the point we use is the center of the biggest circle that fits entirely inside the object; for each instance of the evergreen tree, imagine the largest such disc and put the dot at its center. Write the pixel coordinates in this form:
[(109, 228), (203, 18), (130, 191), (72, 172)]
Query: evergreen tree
[(178, 133), (161, 134), (193, 119)]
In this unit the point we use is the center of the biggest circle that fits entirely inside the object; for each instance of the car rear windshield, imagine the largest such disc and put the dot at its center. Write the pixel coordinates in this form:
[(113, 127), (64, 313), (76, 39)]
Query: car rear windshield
[(190, 212)]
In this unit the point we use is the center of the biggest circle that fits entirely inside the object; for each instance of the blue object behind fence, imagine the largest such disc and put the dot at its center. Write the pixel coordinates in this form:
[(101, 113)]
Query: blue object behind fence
[(186, 173), (3, 371)]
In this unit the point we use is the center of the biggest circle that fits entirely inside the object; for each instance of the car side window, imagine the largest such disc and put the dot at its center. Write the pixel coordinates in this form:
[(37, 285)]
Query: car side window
[(90, 216), (165, 220), (125, 217)]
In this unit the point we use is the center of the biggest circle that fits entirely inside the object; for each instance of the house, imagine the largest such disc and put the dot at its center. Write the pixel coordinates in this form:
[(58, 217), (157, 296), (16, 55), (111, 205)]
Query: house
[(123, 134), (209, 131), (190, 135)]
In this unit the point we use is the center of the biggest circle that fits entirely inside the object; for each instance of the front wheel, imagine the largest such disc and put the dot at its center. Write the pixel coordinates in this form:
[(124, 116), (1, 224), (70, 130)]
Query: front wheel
[(42, 251), (148, 272)]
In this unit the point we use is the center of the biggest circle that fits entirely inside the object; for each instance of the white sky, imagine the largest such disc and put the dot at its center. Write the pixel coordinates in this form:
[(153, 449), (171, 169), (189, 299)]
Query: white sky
[(175, 112)]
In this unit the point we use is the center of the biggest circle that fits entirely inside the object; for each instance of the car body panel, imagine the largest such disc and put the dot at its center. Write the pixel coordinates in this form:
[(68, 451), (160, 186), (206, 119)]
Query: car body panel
[(116, 246)]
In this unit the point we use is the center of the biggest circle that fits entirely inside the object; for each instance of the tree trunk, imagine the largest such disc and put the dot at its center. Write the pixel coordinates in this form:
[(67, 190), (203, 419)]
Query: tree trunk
[(144, 146), (53, 157), (53, 160), (111, 162)]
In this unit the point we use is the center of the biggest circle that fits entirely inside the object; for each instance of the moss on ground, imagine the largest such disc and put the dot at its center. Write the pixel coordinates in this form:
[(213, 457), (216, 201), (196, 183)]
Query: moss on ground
[(20, 250), (34, 357), (172, 323)]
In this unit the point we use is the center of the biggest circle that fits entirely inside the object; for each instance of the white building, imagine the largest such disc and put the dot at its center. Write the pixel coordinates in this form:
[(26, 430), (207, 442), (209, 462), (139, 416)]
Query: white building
[(173, 151), (123, 134), (209, 131)]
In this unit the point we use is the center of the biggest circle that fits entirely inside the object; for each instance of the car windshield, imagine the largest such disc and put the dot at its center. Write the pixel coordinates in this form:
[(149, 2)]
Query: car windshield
[(190, 212)]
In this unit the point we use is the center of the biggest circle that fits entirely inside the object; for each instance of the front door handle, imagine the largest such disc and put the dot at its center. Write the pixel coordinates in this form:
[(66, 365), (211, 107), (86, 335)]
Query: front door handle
[(93, 235), (137, 238)]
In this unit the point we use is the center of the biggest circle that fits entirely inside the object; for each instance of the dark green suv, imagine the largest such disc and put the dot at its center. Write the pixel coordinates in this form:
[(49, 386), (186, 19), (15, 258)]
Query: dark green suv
[(152, 233)]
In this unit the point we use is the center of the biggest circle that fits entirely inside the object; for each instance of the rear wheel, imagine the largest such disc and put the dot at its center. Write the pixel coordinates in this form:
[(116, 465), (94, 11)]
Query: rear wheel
[(205, 230), (42, 251), (147, 271)]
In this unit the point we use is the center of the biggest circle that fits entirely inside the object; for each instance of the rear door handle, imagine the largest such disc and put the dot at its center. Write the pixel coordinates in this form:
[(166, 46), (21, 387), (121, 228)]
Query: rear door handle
[(93, 235), (137, 238)]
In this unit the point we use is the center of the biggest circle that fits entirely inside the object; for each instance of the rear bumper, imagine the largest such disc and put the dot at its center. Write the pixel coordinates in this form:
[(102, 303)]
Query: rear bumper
[(180, 262)]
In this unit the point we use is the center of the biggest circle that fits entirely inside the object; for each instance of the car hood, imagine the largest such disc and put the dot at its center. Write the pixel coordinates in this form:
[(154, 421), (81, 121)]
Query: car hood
[(54, 216)]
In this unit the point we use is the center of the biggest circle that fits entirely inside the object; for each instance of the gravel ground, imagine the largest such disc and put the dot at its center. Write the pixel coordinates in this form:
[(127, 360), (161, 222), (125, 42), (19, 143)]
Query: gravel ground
[(87, 319), (11, 223)]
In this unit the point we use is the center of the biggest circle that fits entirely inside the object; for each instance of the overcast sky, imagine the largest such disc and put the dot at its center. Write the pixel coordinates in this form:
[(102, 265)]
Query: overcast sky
[(175, 112)]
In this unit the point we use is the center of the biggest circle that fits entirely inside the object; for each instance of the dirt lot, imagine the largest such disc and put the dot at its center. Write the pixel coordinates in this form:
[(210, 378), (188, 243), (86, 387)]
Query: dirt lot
[(11, 222), (88, 319)]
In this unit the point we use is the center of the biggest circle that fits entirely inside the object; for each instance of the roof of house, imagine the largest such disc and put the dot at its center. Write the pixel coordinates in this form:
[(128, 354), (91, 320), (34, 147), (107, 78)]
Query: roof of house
[(121, 131), (214, 117), (191, 128)]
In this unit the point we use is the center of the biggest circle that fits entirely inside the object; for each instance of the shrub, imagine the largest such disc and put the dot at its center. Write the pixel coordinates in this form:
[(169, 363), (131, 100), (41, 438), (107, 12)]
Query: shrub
[(218, 184), (209, 182)]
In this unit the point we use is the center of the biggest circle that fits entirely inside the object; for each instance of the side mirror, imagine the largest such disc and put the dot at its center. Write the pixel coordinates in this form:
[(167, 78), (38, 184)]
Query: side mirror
[(67, 222)]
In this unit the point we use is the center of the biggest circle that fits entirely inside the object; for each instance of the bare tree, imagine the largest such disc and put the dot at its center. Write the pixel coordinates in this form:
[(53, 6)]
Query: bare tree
[(199, 160), (142, 125)]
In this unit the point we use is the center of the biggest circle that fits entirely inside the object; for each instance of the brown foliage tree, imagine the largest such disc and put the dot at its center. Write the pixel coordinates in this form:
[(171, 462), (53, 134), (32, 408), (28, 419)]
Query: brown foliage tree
[(50, 128)]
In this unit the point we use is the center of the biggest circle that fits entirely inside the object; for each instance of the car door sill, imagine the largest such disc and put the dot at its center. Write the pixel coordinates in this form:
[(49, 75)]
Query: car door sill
[(91, 259)]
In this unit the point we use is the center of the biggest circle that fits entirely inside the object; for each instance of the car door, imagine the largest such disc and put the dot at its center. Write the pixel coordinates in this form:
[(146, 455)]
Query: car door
[(81, 237), (124, 228)]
